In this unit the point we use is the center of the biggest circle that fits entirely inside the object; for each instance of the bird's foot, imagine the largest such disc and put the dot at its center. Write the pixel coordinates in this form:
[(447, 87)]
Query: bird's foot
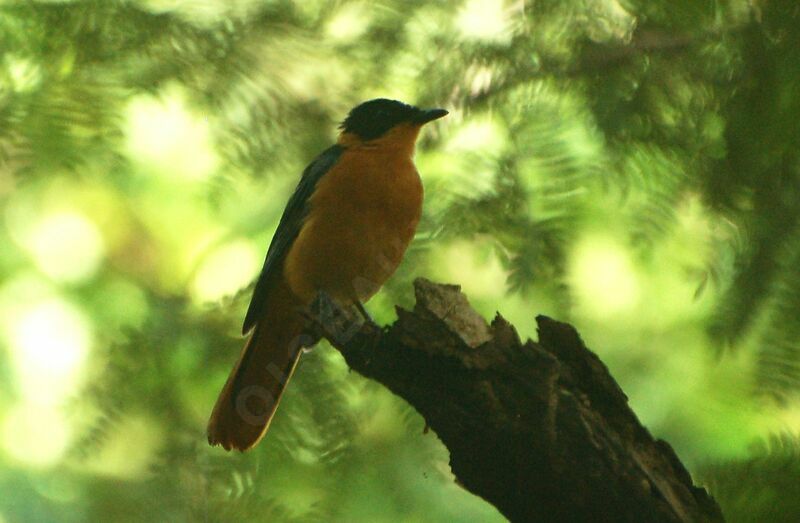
[(363, 311)]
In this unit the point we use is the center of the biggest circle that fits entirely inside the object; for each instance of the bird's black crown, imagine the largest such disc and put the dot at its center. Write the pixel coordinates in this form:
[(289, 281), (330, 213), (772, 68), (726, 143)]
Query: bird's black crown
[(374, 118)]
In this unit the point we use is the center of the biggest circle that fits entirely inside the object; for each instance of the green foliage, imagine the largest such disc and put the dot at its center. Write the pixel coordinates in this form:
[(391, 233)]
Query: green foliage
[(763, 487), (629, 166)]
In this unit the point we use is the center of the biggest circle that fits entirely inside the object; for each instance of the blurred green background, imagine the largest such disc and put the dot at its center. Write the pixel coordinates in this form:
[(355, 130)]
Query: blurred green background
[(630, 166)]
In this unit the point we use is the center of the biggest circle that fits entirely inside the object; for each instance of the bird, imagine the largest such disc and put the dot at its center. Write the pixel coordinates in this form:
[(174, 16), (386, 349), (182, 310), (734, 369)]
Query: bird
[(344, 232)]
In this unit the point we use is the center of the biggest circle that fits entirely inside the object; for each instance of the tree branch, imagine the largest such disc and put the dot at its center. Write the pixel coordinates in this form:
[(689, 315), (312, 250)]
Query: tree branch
[(539, 429)]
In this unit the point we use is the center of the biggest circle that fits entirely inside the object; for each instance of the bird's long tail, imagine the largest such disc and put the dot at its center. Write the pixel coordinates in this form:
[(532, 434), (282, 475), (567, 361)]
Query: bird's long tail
[(251, 395)]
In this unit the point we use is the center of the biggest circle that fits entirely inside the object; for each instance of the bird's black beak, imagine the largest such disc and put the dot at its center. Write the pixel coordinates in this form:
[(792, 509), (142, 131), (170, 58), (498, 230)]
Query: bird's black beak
[(430, 115)]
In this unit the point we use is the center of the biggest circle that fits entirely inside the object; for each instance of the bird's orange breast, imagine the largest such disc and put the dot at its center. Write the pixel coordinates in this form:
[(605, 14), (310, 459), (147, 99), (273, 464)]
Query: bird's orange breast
[(362, 216)]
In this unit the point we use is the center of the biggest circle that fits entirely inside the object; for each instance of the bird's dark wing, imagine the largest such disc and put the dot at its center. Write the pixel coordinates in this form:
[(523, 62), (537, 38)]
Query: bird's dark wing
[(288, 229)]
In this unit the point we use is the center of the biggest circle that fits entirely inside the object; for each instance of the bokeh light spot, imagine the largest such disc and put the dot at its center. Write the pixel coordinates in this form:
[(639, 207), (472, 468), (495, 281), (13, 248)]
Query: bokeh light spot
[(349, 23), (225, 270), (50, 344), (604, 278), (130, 449), (66, 246), (24, 74), (486, 20), (481, 134), (166, 136), (35, 434)]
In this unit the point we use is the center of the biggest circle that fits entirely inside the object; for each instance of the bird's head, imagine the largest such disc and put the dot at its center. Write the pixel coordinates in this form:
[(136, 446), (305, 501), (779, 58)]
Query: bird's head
[(384, 122)]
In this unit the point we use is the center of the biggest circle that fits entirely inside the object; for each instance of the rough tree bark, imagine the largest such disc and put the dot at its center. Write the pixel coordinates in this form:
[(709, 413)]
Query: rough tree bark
[(539, 429)]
